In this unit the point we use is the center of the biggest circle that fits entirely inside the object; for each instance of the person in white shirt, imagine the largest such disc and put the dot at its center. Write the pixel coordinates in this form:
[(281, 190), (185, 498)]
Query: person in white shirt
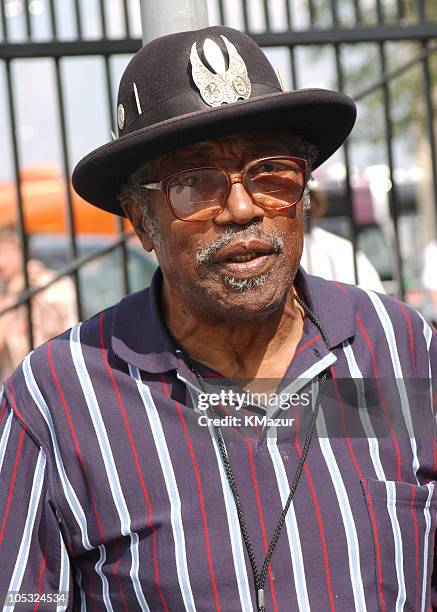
[(330, 256), (429, 280)]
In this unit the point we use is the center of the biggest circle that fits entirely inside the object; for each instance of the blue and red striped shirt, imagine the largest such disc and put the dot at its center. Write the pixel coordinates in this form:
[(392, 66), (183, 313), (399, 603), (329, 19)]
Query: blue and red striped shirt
[(112, 491)]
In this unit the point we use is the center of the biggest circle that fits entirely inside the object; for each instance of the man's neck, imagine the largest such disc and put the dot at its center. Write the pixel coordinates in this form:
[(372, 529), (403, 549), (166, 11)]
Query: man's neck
[(255, 349)]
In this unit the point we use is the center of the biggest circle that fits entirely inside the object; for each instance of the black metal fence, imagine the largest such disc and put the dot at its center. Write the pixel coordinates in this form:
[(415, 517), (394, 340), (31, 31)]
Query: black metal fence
[(382, 52)]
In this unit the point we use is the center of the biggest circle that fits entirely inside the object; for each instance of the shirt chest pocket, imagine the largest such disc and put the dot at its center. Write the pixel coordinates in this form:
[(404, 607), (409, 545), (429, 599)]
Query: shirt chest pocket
[(403, 522)]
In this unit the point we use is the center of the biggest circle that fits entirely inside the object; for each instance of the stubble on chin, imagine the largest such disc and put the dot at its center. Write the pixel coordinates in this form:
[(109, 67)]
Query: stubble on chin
[(244, 284)]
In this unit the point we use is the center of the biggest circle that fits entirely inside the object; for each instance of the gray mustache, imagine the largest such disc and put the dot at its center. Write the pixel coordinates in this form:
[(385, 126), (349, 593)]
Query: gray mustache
[(206, 253)]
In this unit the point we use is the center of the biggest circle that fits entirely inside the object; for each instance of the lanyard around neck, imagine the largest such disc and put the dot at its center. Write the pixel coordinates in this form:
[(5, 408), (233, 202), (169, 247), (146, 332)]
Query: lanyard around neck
[(260, 576)]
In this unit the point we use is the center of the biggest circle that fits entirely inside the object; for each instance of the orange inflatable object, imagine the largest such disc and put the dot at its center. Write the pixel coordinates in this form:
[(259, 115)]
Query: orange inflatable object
[(45, 205)]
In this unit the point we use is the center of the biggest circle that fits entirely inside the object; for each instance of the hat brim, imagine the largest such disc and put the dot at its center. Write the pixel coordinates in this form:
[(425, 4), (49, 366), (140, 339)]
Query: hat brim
[(323, 117)]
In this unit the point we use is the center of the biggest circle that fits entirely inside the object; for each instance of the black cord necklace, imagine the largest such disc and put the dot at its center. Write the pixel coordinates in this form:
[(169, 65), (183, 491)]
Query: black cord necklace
[(260, 576)]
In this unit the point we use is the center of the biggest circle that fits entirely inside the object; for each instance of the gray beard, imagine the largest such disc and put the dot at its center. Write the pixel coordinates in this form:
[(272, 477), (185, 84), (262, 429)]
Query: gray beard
[(247, 283)]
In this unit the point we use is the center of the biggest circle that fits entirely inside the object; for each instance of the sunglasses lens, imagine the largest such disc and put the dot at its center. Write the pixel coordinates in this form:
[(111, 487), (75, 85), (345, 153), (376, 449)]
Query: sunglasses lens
[(196, 195), (276, 183)]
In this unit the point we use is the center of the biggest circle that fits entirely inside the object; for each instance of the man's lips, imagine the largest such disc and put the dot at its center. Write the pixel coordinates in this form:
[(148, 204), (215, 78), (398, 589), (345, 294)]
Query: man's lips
[(243, 251), (246, 259)]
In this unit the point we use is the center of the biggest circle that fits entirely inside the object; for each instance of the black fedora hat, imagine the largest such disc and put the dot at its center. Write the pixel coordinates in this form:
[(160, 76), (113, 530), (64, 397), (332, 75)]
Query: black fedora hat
[(193, 86)]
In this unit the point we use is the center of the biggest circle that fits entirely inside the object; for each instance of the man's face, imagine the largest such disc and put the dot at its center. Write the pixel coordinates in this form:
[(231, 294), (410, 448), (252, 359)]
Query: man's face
[(241, 264)]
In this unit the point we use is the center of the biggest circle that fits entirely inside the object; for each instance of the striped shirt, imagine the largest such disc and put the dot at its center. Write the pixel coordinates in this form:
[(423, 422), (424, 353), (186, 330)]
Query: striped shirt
[(111, 490)]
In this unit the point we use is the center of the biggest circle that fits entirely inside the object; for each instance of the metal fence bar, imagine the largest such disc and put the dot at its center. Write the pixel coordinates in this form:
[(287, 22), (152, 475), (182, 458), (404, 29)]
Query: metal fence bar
[(291, 48), (62, 49), (245, 15), (27, 19), (108, 81), (311, 13), (102, 15), (4, 22), (346, 155), (288, 14), (392, 199), (415, 32), (71, 229), (18, 186), (68, 270), (387, 77), (20, 207), (427, 85), (222, 12), (392, 194), (266, 14), (293, 66), (52, 18), (380, 12), (334, 13), (400, 10), (78, 18), (317, 36), (421, 10), (357, 12), (126, 19)]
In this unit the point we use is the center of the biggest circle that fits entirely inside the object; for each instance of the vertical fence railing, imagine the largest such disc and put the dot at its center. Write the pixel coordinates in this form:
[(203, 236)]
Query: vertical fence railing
[(357, 12), (78, 17), (291, 52), (27, 19), (111, 114), (311, 13), (392, 193), (346, 155), (266, 14), (421, 10), (126, 19), (245, 15), (324, 26), (22, 234), (429, 112), (71, 226)]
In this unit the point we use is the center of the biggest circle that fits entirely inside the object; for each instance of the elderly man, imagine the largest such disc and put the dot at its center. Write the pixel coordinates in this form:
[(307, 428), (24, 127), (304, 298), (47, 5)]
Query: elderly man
[(122, 484)]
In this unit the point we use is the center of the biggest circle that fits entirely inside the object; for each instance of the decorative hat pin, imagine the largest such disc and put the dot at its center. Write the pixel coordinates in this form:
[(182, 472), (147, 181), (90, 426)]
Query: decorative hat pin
[(137, 99), (223, 86)]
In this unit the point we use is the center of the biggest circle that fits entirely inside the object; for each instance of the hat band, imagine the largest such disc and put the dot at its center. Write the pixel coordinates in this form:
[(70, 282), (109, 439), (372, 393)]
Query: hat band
[(185, 103)]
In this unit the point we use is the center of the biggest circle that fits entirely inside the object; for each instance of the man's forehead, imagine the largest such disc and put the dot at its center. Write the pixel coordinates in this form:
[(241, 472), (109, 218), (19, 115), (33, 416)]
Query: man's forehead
[(257, 142)]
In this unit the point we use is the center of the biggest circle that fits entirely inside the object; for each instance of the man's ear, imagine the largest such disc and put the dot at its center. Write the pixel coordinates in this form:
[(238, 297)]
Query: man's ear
[(134, 213)]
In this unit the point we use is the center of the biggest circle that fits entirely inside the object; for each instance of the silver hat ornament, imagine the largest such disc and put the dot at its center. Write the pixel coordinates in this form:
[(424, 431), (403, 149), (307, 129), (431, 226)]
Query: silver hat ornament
[(120, 116), (223, 86)]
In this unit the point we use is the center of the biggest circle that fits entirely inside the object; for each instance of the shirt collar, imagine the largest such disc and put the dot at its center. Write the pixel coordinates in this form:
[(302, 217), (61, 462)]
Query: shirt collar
[(333, 304), (141, 338)]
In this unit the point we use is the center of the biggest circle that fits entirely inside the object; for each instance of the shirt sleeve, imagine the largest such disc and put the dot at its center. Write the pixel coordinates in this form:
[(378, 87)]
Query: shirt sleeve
[(34, 560)]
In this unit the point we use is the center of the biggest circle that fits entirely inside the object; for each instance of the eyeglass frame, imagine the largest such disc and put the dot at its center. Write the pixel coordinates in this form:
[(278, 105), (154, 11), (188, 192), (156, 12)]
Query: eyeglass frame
[(164, 184)]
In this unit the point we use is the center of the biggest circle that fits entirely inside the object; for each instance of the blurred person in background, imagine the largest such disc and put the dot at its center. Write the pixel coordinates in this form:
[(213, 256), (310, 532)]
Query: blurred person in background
[(332, 257), (53, 309), (429, 281)]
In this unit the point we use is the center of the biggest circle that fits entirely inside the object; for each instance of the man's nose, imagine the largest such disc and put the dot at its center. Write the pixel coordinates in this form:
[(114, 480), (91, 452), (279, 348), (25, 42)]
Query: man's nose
[(239, 207)]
